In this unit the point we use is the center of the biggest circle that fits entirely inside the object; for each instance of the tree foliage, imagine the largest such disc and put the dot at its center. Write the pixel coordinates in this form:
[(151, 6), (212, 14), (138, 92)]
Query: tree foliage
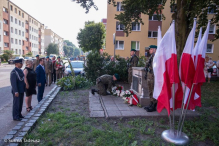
[(92, 36), (7, 55), (184, 12), (52, 49), (71, 50)]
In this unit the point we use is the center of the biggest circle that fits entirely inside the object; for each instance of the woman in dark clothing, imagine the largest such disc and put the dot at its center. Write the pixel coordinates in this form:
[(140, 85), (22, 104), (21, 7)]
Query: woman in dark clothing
[(30, 81)]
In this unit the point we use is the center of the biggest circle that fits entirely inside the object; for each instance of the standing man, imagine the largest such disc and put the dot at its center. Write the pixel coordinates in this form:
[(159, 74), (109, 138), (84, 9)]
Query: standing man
[(150, 79), (218, 67), (48, 69), (53, 69), (132, 63), (41, 79), (18, 89), (36, 62), (58, 68)]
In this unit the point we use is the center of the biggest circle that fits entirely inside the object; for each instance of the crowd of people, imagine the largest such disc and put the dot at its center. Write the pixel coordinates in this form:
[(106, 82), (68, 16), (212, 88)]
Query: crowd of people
[(37, 74)]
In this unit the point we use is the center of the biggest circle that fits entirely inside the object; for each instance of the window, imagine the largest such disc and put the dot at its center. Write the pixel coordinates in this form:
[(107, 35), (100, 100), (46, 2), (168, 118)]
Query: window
[(26, 48), (15, 31), (12, 30), (6, 44), (119, 45), (19, 51), (135, 26), (11, 8), (22, 33), (152, 34), (15, 51), (135, 45), (154, 17), (5, 21), (23, 15), (19, 32), (19, 22), (30, 36), (27, 39), (119, 26), (22, 24), (11, 19), (15, 10), (15, 41), (26, 22), (212, 29), (209, 48), (211, 10), (19, 12), (12, 40), (15, 21), (5, 33), (173, 8), (1, 50), (30, 27), (5, 10), (19, 42), (26, 30), (119, 6)]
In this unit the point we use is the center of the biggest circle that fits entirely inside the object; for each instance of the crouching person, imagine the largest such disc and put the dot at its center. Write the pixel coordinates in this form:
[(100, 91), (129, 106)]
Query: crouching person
[(105, 82)]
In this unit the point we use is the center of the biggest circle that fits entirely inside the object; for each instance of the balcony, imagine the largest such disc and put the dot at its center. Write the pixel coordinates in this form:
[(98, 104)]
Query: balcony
[(5, 15), (6, 27), (27, 26), (6, 39), (26, 35)]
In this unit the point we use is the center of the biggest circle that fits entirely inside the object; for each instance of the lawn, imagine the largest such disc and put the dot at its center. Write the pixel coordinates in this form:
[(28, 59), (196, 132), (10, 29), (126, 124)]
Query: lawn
[(67, 122)]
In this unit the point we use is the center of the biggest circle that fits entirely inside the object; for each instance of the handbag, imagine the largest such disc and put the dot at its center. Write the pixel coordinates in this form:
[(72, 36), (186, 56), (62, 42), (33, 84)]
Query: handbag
[(210, 70)]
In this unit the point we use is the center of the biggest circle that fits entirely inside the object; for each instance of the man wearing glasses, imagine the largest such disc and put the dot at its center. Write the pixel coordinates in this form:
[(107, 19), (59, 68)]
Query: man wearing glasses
[(18, 89)]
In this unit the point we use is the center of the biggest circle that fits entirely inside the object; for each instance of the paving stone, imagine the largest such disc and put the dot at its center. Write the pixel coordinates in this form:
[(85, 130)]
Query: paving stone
[(30, 114), (14, 144), (24, 120), (127, 113), (12, 132), (27, 117), (8, 137), (25, 129), (96, 108), (114, 113), (97, 114), (37, 115), (32, 121), (22, 134), (17, 128), (40, 112), (123, 108), (29, 124), (20, 124), (111, 108), (18, 139), (34, 118), (51, 98)]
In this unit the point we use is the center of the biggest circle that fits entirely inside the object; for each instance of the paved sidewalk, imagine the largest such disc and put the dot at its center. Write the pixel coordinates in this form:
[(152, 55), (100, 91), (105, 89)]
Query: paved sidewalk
[(114, 107)]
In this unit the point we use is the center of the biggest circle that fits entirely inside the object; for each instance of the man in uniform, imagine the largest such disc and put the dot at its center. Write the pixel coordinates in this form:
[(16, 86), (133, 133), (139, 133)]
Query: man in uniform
[(53, 69), (58, 68), (18, 89), (150, 79), (105, 82), (132, 63), (36, 62), (48, 69)]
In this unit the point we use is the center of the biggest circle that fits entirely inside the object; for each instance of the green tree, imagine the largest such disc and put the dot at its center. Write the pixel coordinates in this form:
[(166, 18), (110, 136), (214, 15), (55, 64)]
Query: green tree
[(7, 54), (66, 50), (77, 52), (71, 50), (52, 49), (29, 54), (184, 12), (92, 36)]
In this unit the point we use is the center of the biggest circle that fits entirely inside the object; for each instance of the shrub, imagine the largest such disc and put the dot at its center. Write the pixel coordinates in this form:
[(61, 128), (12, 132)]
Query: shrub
[(66, 83), (142, 61), (82, 82)]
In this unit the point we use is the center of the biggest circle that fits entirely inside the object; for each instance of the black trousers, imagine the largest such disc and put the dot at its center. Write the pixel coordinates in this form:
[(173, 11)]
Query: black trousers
[(17, 105), (40, 92), (54, 76)]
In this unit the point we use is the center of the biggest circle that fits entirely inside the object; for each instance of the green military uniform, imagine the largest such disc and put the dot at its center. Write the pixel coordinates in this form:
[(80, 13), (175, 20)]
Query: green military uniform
[(132, 63), (103, 83), (48, 70), (150, 82), (58, 68), (36, 63)]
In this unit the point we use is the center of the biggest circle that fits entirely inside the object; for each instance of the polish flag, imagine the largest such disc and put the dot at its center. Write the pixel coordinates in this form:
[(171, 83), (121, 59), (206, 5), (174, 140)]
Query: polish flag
[(166, 72), (187, 67), (199, 77)]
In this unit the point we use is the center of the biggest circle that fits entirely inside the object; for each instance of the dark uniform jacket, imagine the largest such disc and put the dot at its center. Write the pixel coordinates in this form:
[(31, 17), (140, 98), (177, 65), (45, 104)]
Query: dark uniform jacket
[(133, 61), (17, 81), (106, 80), (149, 66)]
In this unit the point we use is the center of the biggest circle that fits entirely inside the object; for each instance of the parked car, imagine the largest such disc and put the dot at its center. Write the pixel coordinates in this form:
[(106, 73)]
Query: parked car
[(51, 56), (11, 61), (27, 58), (78, 67)]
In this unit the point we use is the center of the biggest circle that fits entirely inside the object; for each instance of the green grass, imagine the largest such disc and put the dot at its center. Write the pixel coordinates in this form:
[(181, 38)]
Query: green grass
[(61, 127)]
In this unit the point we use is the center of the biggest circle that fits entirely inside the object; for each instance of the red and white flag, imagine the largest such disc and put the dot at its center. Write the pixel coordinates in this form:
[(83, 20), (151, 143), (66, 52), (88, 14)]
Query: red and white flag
[(199, 77), (166, 72), (187, 67), (159, 36)]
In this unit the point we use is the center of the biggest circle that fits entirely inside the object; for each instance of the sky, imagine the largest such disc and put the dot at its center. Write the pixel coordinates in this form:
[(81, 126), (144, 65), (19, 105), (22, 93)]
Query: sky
[(64, 17)]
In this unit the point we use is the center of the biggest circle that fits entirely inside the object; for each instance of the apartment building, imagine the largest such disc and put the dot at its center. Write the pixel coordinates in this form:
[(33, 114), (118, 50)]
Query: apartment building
[(20, 32), (145, 35), (52, 37)]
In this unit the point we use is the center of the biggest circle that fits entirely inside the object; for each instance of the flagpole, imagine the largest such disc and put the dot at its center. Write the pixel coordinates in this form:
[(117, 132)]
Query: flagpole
[(183, 119), (173, 95)]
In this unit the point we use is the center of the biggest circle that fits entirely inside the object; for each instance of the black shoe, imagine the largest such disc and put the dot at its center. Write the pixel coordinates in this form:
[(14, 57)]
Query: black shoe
[(107, 93), (151, 103), (93, 91), (152, 108), (19, 119), (21, 116)]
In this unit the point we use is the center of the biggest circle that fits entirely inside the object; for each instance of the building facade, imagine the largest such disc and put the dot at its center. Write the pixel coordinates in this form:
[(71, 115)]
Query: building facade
[(52, 37), (19, 31), (142, 36)]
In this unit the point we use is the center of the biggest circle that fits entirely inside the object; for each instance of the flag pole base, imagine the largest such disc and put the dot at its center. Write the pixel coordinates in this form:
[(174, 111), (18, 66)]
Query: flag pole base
[(171, 137)]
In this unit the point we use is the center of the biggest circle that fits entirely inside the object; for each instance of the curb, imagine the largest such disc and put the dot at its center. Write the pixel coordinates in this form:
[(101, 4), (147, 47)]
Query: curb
[(16, 136)]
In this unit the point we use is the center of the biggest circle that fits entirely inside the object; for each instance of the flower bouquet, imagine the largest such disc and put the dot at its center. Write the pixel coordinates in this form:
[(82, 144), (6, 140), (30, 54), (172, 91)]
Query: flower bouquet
[(130, 97), (119, 90)]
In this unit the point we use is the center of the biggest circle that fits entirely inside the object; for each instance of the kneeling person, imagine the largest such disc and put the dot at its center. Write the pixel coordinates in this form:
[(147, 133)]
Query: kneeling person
[(105, 82)]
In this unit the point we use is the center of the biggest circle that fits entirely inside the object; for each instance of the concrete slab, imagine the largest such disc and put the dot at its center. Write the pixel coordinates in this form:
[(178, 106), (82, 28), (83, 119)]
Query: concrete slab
[(114, 113), (97, 114), (127, 113)]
